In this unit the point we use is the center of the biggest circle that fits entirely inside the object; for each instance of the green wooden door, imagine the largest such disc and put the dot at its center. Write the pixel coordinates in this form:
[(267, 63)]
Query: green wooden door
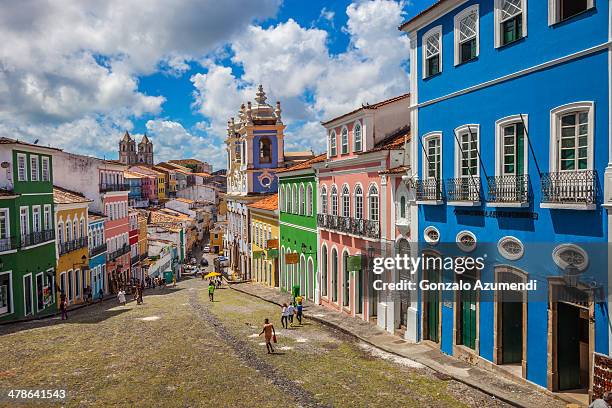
[(359, 281), (468, 316), (512, 331), (568, 346), (433, 308)]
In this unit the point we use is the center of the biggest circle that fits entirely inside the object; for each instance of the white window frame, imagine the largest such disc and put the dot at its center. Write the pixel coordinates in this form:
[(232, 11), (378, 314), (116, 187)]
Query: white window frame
[(22, 156), (36, 209), (458, 151), (434, 30), (295, 202), (344, 140), (333, 209), (281, 198), (47, 219), (554, 10), (31, 295), (458, 17), (324, 204), (346, 195), (302, 202), (309, 200), (498, 21), (46, 175), (370, 195), (499, 141), (10, 293), (426, 138), (7, 224), (27, 224), (333, 147), (555, 132), (355, 201), (34, 168), (360, 148)]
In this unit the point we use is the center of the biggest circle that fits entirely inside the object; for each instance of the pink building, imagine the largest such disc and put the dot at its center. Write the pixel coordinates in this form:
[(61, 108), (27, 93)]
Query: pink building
[(149, 183), (357, 190)]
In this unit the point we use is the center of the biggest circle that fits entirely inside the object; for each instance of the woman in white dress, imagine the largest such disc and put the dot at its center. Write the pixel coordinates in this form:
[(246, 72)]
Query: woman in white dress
[(121, 297)]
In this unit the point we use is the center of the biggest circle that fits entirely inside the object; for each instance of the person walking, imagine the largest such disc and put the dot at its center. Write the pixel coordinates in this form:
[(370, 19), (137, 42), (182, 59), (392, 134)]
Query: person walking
[(211, 291), (285, 317), (290, 311), (604, 402), (174, 281), (100, 294), (63, 306), (298, 313), (121, 297), (269, 335)]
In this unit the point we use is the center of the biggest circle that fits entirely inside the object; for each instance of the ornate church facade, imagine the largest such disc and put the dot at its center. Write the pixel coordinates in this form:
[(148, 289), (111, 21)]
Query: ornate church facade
[(128, 154)]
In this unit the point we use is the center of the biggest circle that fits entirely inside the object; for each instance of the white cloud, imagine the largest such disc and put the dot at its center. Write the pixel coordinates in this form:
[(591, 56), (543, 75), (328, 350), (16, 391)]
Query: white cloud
[(327, 15)]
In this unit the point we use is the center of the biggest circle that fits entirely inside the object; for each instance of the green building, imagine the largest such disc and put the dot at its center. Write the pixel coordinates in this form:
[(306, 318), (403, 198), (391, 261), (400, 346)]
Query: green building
[(27, 234), (297, 205)]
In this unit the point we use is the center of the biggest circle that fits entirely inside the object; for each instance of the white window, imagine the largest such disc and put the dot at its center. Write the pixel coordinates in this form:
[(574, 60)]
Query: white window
[(561, 10), (466, 35), (510, 21), (323, 200), (36, 219), (45, 169), (346, 202), (572, 137), (281, 198), (334, 201), (373, 202), (432, 165), (332, 144), (47, 217), (5, 231), (344, 140), (309, 200), (6, 293), (288, 203), (466, 152), (432, 52), (302, 201), (511, 146), (357, 137), (60, 233), (24, 222), (295, 204), (358, 202), (33, 167), (21, 167)]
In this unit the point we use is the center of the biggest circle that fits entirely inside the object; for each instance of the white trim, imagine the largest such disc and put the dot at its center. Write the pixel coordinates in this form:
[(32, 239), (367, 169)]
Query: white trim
[(460, 244), (498, 22), (348, 143), (555, 121), (456, 33), (354, 212), (506, 254), (426, 237), (332, 135), (25, 161), (458, 132), (426, 138), (35, 158), (10, 292), (424, 38), (499, 143), (355, 124), (44, 159), (36, 291), (561, 263), (554, 13), (24, 296)]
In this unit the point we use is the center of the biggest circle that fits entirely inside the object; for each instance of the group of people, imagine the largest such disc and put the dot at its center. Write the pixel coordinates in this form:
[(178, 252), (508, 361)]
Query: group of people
[(294, 308)]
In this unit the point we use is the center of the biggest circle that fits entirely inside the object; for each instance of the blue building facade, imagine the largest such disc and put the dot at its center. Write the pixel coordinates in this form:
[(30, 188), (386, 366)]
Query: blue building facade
[(510, 117), (97, 254)]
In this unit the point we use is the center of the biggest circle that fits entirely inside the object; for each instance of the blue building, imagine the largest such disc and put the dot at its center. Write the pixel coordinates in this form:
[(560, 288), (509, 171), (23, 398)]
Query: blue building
[(97, 254), (510, 109)]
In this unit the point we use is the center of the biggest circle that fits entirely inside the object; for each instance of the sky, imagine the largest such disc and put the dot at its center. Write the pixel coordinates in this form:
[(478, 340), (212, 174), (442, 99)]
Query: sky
[(77, 74)]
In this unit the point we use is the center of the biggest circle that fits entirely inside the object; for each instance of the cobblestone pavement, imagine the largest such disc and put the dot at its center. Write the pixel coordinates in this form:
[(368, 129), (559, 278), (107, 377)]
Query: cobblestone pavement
[(180, 350), (497, 384)]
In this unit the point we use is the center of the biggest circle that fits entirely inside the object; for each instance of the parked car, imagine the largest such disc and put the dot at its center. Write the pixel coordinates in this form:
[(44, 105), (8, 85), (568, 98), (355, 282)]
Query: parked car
[(206, 249)]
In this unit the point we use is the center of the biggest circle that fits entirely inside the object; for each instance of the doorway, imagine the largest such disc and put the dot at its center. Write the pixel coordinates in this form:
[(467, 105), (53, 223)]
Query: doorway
[(431, 301)]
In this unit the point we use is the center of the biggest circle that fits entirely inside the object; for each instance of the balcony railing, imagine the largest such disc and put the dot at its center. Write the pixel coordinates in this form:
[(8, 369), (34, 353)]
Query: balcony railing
[(69, 246), (135, 259), (428, 190), (349, 225), (7, 244), (465, 189), (97, 250), (105, 188), (508, 189), (119, 252), (35, 238), (569, 187)]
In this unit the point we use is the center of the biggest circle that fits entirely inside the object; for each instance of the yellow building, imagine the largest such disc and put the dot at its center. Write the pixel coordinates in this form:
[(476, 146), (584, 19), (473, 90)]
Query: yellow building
[(161, 184), (216, 238), (72, 245), (264, 240)]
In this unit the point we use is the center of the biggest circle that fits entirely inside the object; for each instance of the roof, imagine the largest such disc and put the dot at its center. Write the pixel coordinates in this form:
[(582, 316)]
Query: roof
[(304, 165), (202, 174), (269, 203), (392, 142), (184, 200), (396, 170), (92, 216), (129, 174), (7, 140), (63, 196), (7, 193), (421, 13), (187, 161), (369, 107)]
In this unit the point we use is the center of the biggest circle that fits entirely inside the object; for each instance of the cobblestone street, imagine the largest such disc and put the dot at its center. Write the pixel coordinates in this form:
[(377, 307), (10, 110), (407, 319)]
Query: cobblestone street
[(179, 349)]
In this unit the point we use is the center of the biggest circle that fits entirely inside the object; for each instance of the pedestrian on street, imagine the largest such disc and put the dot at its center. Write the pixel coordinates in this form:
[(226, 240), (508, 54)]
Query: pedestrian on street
[(285, 317), (100, 294), (604, 402), (174, 281), (269, 335), (121, 297), (290, 311), (211, 291), (299, 310), (63, 306)]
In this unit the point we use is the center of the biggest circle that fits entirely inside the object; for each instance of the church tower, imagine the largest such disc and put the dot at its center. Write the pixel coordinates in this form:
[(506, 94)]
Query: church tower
[(145, 151), (127, 149)]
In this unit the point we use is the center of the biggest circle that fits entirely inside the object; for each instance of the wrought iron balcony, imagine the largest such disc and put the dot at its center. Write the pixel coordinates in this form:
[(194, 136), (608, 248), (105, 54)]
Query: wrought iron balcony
[(466, 189), (105, 187), (119, 252), (569, 187), (97, 250), (135, 259), (69, 246), (349, 225), (428, 190), (35, 238), (7, 244), (508, 189)]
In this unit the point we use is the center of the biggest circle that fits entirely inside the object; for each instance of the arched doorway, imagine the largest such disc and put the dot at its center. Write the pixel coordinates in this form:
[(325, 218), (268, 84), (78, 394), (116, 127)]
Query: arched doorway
[(346, 280), (334, 280), (311, 279), (302, 275), (324, 267)]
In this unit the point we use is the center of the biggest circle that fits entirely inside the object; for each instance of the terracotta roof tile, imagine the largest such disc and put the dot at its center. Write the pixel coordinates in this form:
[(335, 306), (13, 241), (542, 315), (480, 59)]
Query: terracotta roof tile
[(392, 142), (304, 165), (63, 196), (269, 203), (182, 162), (373, 106), (395, 170)]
